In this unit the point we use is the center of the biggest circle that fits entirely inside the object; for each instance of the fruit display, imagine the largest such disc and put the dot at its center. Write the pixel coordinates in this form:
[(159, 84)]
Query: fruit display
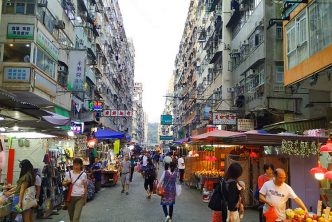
[(210, 173), (298, 215)]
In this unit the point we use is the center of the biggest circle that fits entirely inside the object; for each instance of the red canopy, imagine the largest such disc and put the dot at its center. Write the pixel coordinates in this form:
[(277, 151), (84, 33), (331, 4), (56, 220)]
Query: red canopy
[(216, 135)]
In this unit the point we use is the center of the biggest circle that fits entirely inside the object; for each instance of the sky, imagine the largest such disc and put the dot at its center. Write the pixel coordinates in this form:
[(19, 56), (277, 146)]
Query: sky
[(156, 27)]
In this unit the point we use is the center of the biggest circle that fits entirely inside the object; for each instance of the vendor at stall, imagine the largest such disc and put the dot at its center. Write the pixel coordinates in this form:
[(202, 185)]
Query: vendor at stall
[(275, 193)]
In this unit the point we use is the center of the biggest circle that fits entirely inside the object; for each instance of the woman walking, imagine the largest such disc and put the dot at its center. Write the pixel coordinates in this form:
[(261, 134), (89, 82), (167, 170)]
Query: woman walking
[(77, 178), (27, 179), (150, 176), (167, 181)]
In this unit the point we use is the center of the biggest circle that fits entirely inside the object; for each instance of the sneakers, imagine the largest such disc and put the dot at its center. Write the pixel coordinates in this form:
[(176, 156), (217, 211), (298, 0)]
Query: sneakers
[(122, 191), (127, 193), (168, 219)]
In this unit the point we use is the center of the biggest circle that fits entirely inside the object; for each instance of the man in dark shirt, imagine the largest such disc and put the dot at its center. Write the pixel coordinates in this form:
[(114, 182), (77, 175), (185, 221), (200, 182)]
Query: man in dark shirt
[(97, 173)]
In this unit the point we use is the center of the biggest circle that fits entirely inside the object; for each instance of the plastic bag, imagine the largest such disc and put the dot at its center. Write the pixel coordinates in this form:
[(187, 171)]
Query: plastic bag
[(270, 215), (178, 189)]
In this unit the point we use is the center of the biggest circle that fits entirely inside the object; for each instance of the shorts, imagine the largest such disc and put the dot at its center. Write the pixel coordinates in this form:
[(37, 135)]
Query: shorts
[(125, 178), (143, 169)]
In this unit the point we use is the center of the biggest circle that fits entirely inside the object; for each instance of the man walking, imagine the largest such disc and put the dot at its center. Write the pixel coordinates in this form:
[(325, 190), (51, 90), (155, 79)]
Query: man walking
[(181, 167), (275, 193), (125, 168)]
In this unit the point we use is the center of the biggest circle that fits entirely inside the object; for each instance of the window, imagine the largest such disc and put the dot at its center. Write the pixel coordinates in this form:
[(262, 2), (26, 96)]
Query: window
[(320, 23), (45, 63), (261, 75), (17, 52), (291, 44), (279, 31), (26, 7), (301, 32), (279, 78)]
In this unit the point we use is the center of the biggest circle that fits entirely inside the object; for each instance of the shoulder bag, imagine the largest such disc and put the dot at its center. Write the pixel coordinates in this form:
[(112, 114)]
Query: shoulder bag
[(161, 189), (70, 189), (29, 197)]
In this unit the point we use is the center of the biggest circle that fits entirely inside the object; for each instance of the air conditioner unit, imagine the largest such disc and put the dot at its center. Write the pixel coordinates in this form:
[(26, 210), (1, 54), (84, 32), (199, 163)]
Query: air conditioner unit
[(61, 68), (42, 3), (250, 72), (230, 90), (59, 24), (244, 7), (245, 43)]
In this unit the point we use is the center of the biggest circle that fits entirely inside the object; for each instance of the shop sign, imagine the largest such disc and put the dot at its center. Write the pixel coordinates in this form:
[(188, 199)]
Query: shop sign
[(20, 31), (16, 74), (44, 84), (96, 106), (47, 45), (77, 127), (302, 149), (166, 120), (76, 76), (245, 124), (165, 137), (224, 118), (117, 113)]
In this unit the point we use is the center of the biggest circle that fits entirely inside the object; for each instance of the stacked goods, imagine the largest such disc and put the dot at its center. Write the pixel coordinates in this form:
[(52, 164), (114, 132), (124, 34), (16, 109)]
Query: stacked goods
[(298, 215), (210, 173)]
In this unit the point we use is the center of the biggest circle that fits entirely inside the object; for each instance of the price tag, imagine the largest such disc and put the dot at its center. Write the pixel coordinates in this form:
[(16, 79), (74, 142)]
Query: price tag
[(319, 208), (327, 213)]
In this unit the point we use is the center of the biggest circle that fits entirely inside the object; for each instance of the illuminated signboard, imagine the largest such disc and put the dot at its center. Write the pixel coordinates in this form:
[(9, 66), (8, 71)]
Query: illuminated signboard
[(77, 127), (96, 106)]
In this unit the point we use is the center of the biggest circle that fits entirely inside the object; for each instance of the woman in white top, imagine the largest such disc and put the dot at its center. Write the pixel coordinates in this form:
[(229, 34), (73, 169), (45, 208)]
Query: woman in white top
[(78, 179)]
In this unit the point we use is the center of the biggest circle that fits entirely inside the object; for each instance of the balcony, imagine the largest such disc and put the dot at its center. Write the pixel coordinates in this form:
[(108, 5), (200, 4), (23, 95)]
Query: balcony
[(212, 5), (236, 15)]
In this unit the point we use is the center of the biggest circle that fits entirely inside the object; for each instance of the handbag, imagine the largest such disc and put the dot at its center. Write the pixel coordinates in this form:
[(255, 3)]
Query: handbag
[(29, 198), (178, 189), (70, 187), (161, 190)]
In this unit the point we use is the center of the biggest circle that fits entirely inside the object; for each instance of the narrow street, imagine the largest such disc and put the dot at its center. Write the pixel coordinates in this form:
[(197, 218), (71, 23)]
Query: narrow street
[(110, 205)]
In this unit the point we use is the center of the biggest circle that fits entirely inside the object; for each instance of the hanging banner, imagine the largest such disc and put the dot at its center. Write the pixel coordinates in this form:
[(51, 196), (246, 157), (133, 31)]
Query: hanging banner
[(116, 147), (76, 78)]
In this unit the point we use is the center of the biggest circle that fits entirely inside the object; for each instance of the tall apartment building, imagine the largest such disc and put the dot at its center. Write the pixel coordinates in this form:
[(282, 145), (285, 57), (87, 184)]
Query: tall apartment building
[(146, 128), (308, 60), (231, 61), (138, 114), (66, 55), (167, 130)]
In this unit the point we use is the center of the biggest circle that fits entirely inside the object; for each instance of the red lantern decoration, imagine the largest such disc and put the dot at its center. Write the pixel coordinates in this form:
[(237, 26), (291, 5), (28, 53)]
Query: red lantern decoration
[(318, 169), (327, 147), (328, 175), (253, 155)]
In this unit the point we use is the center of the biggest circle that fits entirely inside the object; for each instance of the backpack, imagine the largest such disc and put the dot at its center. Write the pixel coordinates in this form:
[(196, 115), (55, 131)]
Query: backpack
[(218, 199)]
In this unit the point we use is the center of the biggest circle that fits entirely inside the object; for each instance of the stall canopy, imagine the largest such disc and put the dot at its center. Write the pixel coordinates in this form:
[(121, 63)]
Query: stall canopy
[(108, 134), (261, 138), (181, 141), (214, 136)]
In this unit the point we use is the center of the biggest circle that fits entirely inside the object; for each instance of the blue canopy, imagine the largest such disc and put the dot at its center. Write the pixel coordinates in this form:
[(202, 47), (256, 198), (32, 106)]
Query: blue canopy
[(108, 134)]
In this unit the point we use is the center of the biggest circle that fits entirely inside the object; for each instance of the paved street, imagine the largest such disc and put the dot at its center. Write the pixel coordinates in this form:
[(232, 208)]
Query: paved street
[(111, 205)]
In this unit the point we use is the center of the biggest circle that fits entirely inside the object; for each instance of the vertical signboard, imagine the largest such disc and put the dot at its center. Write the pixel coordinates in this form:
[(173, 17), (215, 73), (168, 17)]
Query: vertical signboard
[(76, 78), (166, 120)]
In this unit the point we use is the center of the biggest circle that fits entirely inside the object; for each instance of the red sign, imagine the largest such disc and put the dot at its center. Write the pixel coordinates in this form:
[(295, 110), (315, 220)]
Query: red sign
[(129, 113), (107, 113), (121, 113), (114, 113)]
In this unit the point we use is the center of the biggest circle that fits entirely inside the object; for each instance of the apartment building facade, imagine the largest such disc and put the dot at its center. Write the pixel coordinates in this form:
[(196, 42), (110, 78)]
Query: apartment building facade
[(230, 60), (67, 56), (138, 129)]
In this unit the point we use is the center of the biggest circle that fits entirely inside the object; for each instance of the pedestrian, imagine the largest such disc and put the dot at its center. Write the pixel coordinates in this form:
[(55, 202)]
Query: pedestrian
[(132, 165), (27, 179), (168, 182), (97, 167), (144, 162), (275, 193), (231, 192), (167, 160), (77, 178), (181, 167), (125, 174), (150, 176), (156, 159), (267, 176)]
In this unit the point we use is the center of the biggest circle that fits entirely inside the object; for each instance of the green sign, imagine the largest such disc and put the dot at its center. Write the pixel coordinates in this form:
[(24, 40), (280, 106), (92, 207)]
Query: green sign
[(20, 31), (166, 120), (165, 137), (47, 45)]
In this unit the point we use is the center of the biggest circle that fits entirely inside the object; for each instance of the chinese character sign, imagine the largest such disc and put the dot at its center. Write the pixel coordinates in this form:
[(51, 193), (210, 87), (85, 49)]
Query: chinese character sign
[(76, 78), (117, 113), (245, 124), (224, 118), (20, 31)]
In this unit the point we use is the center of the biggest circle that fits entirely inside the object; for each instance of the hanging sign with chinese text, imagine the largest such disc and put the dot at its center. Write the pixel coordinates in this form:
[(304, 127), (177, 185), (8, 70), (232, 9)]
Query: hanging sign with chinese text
[(77, 127), (20, 31), (76, 76), (96, 106), (117, 113), (245, 124), (224, 118)]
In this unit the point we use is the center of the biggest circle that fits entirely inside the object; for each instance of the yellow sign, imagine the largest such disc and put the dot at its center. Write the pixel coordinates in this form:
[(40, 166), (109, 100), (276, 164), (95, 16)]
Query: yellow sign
[(116, 147)]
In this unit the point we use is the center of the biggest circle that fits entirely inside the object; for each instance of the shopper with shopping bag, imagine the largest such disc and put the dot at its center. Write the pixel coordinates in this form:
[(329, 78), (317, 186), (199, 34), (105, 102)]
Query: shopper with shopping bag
[(76, 180)]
